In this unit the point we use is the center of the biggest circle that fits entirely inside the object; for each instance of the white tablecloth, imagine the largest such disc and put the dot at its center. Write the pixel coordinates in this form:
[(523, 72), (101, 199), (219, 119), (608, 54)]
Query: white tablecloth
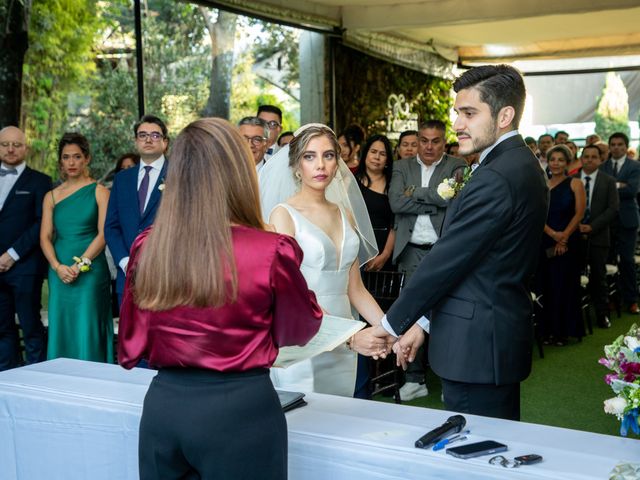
[(67, 419)]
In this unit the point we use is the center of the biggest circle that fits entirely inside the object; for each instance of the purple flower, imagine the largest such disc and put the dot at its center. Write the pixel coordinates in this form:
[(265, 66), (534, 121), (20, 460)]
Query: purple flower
[(606, 362), (630, 368), (610, 377)]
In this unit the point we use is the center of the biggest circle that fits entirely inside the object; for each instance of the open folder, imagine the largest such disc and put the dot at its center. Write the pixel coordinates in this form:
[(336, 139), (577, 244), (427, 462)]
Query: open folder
[(333, 332)]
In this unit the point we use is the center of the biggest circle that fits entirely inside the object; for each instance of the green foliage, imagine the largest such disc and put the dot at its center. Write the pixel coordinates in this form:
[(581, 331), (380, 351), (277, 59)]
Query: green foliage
[(279, 40), (59, 60), (612, 114), (364, 84)]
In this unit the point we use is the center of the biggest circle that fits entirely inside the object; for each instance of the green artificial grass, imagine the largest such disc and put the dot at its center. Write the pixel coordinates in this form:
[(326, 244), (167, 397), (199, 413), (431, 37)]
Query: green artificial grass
[(566, 388)]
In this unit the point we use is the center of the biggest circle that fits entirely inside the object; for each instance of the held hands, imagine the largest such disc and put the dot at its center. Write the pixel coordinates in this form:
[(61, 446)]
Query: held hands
[(560, 249), (6, 262), (373, 342), (67, 274)]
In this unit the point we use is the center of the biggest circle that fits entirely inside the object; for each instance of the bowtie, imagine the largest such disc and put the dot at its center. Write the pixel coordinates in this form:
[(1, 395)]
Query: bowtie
[(8, 171)]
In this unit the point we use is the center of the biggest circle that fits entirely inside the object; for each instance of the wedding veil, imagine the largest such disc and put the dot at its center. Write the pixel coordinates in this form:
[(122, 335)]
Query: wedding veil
[(277, 184)]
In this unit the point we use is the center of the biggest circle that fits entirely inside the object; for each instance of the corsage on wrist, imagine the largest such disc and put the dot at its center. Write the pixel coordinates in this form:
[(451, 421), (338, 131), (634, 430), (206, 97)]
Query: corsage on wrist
[(84, 264)]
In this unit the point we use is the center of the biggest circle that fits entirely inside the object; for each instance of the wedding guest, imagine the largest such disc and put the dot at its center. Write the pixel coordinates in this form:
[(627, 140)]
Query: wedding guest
[(210, 297), (374, 178), (452, 149), (604, 150), (272, 116), (285, 138), (575, 165), (128, 160), (601, 210), (256, 133), (625, 231), (545, 142), (419, 215), (135, 193), (532, 144), (592, 139), (558, 277), (350, 141), (561, 137), (72, 240), (22, 265), (408, 144)]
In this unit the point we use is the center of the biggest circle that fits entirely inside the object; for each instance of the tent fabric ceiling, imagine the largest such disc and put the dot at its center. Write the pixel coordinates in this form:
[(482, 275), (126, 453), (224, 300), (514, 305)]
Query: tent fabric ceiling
[(469, 30)]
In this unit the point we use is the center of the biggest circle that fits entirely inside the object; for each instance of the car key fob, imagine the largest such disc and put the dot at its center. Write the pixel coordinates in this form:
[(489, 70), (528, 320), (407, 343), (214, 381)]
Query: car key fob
[(528, 459)]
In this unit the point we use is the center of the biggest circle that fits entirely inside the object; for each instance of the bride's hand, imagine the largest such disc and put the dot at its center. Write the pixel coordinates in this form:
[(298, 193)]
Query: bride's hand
[(372, 342)]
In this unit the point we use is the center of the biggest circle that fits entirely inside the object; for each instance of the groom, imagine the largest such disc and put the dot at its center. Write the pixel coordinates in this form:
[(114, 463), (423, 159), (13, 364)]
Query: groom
[(474, 283)]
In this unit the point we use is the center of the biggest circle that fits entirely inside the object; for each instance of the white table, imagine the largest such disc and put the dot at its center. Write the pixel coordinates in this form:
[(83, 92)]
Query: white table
[(68, 419)]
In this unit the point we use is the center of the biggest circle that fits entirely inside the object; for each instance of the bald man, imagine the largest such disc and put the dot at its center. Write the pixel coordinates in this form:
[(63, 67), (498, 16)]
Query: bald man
[(22, 265)]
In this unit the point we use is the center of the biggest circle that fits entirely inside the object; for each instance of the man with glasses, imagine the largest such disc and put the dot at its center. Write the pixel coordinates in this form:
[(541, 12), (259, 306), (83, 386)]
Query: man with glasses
[(22, 265), (256, 133), (273, 116), (136, 193)]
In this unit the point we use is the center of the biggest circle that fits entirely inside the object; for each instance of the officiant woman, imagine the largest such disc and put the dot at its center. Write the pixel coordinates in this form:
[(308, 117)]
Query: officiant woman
[(210, 296)]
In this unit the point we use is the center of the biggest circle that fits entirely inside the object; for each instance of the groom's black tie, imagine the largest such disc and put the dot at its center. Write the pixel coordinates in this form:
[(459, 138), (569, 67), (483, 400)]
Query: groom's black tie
[(587, 189)]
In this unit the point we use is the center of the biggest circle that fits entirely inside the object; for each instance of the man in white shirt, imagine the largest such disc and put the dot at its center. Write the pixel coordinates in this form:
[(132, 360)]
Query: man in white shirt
[(256, 133), (419, 213), (136, 193), (22, 265)]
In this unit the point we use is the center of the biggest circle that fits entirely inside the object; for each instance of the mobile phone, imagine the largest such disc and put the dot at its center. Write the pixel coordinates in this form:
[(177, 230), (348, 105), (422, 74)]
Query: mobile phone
[(477, 449)]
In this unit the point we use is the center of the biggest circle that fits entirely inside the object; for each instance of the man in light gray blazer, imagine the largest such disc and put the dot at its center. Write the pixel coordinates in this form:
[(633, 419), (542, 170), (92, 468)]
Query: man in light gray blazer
[(419, 214)]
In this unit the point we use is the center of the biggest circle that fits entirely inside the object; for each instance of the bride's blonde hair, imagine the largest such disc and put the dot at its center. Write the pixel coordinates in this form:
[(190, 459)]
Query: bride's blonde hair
[(301, 140)]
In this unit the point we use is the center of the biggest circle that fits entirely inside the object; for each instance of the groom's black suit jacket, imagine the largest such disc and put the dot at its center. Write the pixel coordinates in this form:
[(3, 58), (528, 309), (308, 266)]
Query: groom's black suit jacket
[(474, 283)]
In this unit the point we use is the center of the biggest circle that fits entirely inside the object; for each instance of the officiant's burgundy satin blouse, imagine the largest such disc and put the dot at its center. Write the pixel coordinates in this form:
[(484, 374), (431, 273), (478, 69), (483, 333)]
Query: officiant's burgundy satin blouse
[(274, 308)]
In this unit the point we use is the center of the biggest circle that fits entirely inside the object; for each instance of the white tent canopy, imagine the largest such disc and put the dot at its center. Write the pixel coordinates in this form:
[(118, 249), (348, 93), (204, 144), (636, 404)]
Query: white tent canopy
[(464, 30)]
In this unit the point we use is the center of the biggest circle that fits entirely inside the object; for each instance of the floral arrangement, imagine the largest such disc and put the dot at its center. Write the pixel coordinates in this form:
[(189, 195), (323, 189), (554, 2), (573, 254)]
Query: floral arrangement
[(84, 264), (622, 357), (450, 187)]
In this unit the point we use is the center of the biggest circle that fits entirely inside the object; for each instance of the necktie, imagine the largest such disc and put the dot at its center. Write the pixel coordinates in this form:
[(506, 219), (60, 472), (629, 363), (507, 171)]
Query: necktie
[(587, 190), (270, 151), (144, 188), (8, 171), (615, 168)]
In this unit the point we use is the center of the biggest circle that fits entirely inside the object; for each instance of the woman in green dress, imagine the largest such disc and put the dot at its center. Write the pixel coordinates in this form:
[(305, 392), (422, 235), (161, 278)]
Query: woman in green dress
[(72, 239)]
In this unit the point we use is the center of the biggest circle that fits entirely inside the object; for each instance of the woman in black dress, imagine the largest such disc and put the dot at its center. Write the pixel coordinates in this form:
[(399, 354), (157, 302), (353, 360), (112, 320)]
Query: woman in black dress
[(374, 177), (558, 279)]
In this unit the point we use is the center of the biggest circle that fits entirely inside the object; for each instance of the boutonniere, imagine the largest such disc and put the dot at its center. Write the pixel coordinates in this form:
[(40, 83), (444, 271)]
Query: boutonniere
[(450, 187), (161, 185)]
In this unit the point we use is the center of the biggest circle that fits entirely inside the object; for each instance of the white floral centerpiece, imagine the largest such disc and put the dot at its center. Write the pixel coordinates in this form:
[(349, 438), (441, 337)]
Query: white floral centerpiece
[(622, 357)]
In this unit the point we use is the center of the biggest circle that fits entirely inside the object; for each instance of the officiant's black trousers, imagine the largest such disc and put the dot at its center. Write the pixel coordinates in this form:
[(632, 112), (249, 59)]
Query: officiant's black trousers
[(201, 424), (497, 401)]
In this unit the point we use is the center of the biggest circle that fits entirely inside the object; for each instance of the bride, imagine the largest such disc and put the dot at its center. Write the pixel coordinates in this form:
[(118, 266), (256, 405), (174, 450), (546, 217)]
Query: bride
[(332, 238)]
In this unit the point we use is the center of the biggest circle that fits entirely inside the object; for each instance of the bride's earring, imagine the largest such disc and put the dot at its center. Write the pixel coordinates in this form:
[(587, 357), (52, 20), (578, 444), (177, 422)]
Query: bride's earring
[(298, 175)]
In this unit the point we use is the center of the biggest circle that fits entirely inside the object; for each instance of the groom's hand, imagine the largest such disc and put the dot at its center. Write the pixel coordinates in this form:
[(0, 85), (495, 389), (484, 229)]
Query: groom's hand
[(407, 346)]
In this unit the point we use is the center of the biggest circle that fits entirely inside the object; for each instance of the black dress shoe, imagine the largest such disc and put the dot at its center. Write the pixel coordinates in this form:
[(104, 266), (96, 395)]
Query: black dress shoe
[(604, 323)]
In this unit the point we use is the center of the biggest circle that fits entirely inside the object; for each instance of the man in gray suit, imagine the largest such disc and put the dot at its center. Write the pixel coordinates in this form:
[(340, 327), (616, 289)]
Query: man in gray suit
[(419, 213), (602, 210)]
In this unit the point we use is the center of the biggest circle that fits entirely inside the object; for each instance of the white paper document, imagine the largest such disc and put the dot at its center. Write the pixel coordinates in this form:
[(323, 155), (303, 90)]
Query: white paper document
[(334, 331)]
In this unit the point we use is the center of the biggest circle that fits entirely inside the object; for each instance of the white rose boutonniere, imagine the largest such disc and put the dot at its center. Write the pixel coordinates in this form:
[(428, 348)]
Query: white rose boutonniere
[(446, 190), (161, 185), (450, 187)]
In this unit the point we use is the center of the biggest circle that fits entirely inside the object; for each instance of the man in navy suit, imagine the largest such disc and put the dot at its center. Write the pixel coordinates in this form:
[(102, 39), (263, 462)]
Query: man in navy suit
[(136, 193), (626, 171), (473, 284), (22, 265)]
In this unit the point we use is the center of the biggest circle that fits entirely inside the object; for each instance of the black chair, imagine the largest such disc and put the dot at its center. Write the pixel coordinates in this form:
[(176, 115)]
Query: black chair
[(385, 287), (585, 302), (537, 329)]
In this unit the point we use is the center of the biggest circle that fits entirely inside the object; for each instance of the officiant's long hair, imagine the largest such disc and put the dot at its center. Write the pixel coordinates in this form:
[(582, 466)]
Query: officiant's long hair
[(211, 184)]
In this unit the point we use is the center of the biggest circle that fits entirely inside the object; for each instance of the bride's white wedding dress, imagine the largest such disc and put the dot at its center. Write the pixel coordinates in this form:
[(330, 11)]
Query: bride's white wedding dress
[(326, 270)]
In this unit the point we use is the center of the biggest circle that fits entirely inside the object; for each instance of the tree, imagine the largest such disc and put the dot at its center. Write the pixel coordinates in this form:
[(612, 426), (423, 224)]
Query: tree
[(59, 61), (14, 18), (612, 114), (222, 33)]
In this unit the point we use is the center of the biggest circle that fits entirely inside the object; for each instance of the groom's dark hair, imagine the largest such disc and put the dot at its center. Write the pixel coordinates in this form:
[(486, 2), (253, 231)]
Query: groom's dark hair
[(499, 86)]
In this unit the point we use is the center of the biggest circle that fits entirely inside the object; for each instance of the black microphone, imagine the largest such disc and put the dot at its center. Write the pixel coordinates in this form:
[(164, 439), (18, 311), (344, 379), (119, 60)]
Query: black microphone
[(452, 425)]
